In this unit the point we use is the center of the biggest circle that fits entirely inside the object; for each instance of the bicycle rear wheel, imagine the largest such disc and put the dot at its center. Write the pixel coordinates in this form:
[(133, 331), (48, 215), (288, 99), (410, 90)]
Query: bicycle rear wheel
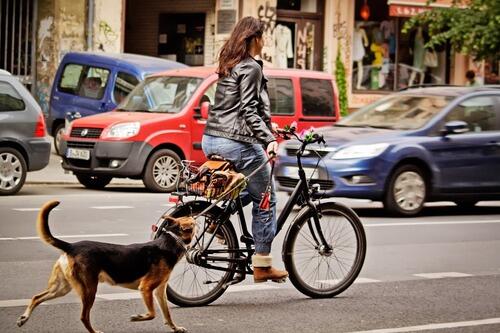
[(320, 272), (194, 285)]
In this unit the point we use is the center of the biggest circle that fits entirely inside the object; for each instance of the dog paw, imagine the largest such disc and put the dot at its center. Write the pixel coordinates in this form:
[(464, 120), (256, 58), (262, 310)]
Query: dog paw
[(141, 317), (22, 320), (180, 329)]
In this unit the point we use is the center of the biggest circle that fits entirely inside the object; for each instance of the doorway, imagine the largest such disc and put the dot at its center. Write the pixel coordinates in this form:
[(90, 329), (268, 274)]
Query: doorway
[(181, 38)]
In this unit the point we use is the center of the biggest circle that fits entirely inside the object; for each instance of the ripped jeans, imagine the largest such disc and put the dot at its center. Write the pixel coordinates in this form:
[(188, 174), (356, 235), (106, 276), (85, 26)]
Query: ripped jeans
[(246, 157)]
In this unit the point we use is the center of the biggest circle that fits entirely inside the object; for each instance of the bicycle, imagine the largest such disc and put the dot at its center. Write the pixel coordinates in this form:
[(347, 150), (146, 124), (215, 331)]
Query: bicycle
[(317, 250)]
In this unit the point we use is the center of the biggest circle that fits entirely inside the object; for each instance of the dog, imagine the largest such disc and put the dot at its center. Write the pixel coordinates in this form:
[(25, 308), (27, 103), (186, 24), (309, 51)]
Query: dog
[(145, 267)]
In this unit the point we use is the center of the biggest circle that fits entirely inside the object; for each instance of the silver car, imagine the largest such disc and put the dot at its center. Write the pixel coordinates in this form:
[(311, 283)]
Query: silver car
[(24, 145)]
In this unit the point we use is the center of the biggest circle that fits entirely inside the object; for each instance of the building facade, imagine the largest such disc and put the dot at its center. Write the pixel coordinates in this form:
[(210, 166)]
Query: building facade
[(305, 34)]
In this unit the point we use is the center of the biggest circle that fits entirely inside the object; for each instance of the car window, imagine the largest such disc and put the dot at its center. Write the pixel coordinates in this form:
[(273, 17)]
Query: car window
[(10, 100), (281, 96), (161, 94), (478, 112), (83, 80), (317, 97), (209, 94), (399, 111), (124, 84)]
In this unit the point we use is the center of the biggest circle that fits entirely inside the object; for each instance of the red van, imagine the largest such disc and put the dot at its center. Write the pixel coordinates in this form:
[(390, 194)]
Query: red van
[(161, 123)]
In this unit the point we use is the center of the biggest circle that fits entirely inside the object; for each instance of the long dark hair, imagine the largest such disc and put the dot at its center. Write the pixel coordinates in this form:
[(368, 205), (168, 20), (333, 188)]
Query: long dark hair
[(237, 47)]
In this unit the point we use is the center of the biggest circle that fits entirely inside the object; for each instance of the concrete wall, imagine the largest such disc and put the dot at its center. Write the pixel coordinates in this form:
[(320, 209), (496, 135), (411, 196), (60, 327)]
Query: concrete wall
[(108, 26), (61, 28)]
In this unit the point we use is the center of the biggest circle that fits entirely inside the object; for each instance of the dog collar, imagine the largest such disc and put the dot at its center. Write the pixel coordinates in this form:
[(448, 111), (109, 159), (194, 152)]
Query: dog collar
[(178, 240)]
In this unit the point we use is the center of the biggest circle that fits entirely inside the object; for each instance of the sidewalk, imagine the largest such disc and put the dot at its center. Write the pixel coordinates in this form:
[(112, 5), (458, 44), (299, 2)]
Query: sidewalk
[(55, 174)]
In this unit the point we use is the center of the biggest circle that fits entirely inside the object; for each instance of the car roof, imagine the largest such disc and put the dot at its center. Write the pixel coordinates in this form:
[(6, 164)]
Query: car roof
[(451, 91), (206, 71), (144, 63)]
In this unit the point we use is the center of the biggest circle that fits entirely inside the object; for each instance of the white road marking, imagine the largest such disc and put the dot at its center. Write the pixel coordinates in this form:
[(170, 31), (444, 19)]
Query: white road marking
[(30, 209), (111, 207), (396, 224), (358, 280), (130, 295), (489, 321), (66, 236), (250, 287), (441, 275)]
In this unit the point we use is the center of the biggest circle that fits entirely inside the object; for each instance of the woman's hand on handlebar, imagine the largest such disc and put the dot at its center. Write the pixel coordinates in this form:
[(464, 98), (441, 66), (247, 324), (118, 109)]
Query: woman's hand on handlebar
[(272, 148)]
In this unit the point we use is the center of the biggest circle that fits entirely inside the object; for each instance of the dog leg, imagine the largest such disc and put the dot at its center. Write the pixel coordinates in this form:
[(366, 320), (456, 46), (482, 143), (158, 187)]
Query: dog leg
[(58, 286), (87, 289), (161, 298), (147, 296)]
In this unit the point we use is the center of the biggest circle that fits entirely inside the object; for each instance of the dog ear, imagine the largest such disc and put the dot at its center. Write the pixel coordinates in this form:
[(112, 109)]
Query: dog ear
[(171, 222)]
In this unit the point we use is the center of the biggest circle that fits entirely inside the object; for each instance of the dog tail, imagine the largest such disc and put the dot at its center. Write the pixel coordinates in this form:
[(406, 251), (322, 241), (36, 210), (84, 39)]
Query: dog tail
[(43, 227)]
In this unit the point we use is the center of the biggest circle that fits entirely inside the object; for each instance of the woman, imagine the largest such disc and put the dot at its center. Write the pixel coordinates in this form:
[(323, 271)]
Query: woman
[(239, 127)]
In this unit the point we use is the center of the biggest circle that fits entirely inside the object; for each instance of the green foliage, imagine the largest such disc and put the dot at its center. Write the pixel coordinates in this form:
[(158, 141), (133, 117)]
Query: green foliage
[(341, 81), (471, 26)]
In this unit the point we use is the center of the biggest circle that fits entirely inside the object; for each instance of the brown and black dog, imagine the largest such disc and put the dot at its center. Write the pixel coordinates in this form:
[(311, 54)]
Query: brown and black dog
[(145, 266)]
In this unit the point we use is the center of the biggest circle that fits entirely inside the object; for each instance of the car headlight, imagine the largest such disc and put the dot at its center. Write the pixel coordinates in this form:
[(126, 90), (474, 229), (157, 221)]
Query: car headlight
[(123, 130), (360, 151)]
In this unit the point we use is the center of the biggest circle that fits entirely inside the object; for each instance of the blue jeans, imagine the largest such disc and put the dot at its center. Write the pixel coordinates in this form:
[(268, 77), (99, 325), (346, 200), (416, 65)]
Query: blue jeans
[(246, 157)]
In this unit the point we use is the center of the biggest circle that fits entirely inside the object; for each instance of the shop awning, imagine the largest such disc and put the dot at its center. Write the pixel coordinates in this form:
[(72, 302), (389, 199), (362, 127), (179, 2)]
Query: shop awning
[(408, 8)]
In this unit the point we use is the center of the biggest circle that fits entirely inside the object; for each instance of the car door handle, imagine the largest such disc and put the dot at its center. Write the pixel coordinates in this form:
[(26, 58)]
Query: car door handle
[(493, 144)]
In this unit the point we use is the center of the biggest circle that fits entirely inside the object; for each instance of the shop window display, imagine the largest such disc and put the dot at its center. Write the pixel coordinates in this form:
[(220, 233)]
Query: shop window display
[(385, 59)]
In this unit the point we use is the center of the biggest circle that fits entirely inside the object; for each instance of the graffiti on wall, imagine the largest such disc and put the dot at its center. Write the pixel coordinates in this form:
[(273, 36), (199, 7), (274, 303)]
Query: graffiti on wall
[(267, 14), (45, 46), (305, 46), (341, 34), (107, 37)]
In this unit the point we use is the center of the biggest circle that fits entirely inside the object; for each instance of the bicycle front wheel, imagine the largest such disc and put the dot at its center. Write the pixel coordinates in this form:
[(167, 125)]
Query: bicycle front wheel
[(318, 271), (194, 285)]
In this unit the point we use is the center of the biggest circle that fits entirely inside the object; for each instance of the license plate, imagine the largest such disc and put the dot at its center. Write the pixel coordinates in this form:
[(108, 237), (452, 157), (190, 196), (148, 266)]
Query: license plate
[(79, 154), (293, 172)]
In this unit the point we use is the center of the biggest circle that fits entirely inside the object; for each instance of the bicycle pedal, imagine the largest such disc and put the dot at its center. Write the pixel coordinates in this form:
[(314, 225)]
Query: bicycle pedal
[(237, 279)]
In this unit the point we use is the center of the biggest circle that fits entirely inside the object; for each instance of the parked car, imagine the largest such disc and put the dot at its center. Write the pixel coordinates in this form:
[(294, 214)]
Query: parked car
[(90, 83), (415, 146), (24, 145), (161, 123)]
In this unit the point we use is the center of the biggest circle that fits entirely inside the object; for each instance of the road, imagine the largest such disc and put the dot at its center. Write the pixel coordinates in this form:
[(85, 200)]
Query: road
[(439, 272)]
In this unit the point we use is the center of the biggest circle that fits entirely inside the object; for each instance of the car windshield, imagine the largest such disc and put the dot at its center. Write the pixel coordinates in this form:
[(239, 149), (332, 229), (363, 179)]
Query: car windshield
[(167, 94), (399, 112)]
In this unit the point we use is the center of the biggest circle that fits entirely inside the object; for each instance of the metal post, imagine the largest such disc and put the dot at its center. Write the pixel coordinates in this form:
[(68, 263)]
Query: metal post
[(33, 46), (90, 26), (13, 29), (26, 40), (19, 45), (6, 30)]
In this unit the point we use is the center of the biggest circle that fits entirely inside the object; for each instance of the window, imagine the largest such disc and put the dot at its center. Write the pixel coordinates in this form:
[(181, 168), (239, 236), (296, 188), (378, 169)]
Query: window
[(317, 97), (281, 96), (10, 100), (162, 94), (209, 94), (85, 81), (478, 112), (399, 112), (123, 86)]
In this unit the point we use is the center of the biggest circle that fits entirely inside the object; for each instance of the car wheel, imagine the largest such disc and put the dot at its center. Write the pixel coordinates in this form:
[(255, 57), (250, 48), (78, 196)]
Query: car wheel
[(95, 182), (57, 138), (406, 192), (162, 171), (13, 171)]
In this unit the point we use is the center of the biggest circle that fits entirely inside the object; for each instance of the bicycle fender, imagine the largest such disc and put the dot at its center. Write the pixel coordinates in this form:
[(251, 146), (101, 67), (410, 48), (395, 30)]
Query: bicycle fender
[(302, 212)]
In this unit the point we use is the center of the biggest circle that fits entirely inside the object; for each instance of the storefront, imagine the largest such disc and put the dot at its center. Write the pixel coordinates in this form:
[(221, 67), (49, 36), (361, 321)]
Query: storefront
[(380, 58)]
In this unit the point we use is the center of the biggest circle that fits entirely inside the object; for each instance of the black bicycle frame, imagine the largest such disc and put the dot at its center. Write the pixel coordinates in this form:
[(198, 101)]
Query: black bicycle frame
[(300, 192)]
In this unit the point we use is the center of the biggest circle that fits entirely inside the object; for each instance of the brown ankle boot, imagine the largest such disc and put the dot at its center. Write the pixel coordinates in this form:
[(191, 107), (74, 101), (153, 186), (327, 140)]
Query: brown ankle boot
[(262, 274), (263, 270)]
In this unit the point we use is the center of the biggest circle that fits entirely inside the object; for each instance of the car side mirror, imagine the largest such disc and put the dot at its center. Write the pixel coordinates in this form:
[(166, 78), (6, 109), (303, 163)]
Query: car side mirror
[(202, 110), (455, 127)]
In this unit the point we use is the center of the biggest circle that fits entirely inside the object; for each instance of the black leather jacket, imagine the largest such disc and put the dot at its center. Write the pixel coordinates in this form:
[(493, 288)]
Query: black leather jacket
[(242, 110)]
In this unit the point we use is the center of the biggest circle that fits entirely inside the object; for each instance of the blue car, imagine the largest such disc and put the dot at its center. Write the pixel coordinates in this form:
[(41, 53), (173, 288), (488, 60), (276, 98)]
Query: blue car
[(88, 83), (415, 146)]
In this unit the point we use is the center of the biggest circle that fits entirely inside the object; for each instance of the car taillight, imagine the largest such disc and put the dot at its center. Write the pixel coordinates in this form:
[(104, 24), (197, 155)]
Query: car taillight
[(40, 127)]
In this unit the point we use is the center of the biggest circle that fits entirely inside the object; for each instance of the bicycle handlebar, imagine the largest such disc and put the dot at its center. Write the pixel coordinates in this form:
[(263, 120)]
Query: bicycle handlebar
[(310, 138)]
